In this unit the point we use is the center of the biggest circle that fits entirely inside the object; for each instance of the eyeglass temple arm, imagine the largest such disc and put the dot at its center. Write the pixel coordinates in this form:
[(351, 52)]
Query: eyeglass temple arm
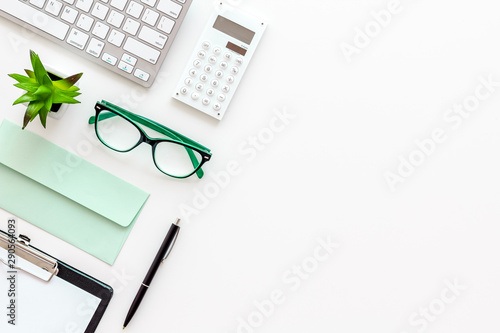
[(161, 129)]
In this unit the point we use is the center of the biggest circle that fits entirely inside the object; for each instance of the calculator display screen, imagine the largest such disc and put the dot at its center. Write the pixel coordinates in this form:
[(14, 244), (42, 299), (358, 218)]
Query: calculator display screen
[(234, 29)]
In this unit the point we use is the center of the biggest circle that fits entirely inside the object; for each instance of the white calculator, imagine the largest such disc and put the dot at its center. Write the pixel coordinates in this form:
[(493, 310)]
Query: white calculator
[(219, 60)]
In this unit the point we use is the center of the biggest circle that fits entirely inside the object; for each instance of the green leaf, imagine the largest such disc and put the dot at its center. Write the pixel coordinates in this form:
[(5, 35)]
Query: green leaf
[(28, 97), (42, 92), (38, 68), (43, 116), (48, 103), (47, 81), (30, 73), (65, 97), (30, 87), (68, 82), (21, 78), (31, 112)]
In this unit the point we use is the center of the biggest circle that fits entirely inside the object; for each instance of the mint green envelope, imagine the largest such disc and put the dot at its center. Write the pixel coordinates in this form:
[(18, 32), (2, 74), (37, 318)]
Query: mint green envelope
[(65, 195)]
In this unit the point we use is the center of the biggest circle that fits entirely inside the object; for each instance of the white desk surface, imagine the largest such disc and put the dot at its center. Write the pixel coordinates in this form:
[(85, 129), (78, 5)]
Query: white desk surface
[(422, 256)]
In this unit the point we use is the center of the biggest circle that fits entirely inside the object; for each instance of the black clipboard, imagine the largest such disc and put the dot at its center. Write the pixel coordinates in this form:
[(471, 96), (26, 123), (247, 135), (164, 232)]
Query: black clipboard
[(46, 267)]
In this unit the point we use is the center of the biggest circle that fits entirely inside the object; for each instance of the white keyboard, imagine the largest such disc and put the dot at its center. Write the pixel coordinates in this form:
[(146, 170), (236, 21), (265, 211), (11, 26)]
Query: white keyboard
[(128, 37)]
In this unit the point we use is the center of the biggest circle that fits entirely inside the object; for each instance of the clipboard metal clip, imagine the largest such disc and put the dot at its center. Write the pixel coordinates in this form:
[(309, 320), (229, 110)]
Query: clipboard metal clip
[(26, 257)]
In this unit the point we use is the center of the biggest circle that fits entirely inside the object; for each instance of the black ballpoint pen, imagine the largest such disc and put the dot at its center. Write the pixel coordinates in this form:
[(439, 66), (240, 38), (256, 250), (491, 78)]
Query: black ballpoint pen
[(163, 252)]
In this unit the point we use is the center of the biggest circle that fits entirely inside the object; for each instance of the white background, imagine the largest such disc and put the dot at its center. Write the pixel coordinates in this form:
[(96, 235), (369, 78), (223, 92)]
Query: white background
[(322, 177)]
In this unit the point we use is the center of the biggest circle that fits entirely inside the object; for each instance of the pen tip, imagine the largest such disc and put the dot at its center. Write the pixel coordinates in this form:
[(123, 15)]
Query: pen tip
[(177, 221), (123, 327)]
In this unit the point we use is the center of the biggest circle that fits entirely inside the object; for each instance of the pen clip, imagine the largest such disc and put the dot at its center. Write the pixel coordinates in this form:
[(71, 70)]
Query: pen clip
[(171, 246)]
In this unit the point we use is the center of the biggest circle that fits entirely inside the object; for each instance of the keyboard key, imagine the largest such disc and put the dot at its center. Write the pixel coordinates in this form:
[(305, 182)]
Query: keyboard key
[(125, 67), (38, 3), (108, 58), (77, 38), (169, 8), (131, 26), (141, 50), (116, 37), (54, 7), (153, 37), (150, 17), (100, 11), (119, 4), (85, 22), (84, 5), (95, 47), (166, 25), (69, 14), (100, 30), (151, 3), (135, 9), (34, 17), (115, 18), (139, 73), (129, 59)]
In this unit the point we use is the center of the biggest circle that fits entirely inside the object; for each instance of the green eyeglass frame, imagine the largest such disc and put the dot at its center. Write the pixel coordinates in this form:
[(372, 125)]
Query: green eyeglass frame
[(134, 119)]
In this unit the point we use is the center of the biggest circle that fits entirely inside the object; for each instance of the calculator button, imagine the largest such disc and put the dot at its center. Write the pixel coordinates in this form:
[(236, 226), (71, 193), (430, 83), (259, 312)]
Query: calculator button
[(208, 68), (184, 90), (219, 74), (195, 96), (205, 45), (188, 81), (210, 92), (205, 101), (203, 77), (212, 60), (221, 97), (238, 61), (192, 72), (214, 83), (199, 86), (234, 70), (216, 106), (223, 65), (196, 63), (227, 56), (225, 88), (201, 54), (217, 50), (230, 79)]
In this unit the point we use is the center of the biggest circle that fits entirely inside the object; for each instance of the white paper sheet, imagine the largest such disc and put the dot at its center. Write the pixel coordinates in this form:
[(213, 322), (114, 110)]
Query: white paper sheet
[(45, 307)]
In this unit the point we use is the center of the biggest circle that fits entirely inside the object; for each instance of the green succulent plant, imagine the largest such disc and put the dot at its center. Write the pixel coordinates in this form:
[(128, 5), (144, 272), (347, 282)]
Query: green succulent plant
[(42, 92)]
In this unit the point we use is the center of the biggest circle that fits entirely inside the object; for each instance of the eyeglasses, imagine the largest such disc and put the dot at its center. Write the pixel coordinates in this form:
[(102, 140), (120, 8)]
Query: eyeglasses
[(178, 156)]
